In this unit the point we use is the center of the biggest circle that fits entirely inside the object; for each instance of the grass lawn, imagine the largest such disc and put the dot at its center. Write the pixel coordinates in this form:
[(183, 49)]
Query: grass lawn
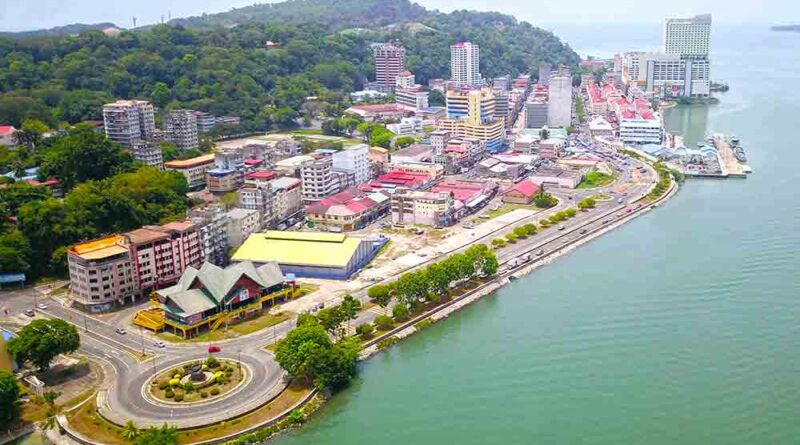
[(508, 208), (601, 197), (595, 179), (90, 424), (304, 289), (235, 329)]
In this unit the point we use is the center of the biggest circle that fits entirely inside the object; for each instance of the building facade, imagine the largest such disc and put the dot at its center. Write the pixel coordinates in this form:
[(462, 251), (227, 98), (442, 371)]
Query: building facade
[(413, 207), (193, 169), (559, 107), (536, 114), (318, 180), (181, 129), (465, 64), (389, 63), (128, 122), (688, 37), (212, 225), (241, 224), (148, 154), (471, 114), (353, 159)]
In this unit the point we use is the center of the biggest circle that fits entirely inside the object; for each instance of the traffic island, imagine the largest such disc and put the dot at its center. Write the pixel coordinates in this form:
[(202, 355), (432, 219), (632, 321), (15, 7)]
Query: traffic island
[(197, 381)]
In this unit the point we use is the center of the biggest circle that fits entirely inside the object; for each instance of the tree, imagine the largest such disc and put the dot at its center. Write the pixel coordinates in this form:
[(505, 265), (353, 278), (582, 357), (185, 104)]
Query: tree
[(545, 200), (9, 400), (404, 141), (380, 294), (81, 155), (42, 340), (521, 232), (230, 199), (512, 237), (349, 308), (298, 352), (30, 134), (331, 318), (161, 95), (587, 203), (385, 322), (164, 435), (530, 228)]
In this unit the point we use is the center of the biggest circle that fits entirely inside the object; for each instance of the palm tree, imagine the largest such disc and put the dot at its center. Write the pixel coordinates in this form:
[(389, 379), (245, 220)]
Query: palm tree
[(130, 431)]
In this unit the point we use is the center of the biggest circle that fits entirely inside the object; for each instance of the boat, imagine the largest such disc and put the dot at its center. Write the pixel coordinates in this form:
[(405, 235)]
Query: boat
[(738, 150)]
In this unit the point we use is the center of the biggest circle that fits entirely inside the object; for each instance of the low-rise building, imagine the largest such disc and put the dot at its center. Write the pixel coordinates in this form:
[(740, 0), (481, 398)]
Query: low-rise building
[(522, 192), (348, 210), (556, 177), (311, 254), (413, 153), (241, 224), (380, 111), (207, 297), (101, 274), (7, 135), (193, 169), (415, 207), (415, 98), (228, 172)]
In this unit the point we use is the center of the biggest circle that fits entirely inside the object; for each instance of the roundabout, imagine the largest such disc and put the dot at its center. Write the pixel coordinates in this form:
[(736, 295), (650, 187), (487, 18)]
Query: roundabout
[(197, 382)]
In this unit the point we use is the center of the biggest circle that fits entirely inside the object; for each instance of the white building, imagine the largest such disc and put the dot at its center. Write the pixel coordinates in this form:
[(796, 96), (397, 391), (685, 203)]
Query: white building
[(405, 80), (355, 160), (559, 107), (128, 122), (640, 130), (465, 64), (688, 38), (318, 180), (415, 98)]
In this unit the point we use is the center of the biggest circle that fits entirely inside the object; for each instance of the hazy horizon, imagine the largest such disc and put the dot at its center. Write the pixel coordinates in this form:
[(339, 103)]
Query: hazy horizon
[(16, 15)]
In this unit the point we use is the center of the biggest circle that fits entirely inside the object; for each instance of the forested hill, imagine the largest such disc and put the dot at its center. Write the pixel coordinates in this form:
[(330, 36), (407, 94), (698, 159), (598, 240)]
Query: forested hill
[(58, 31), (339, 13), (218, 63)]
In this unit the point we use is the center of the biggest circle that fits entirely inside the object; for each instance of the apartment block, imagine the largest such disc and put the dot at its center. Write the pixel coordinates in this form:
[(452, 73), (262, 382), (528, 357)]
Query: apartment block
[(559, 107), (688, 38), (212, 225), (114, 270), (241, 224), (129, 122), (148, 154), (414, 207), (180, 127)]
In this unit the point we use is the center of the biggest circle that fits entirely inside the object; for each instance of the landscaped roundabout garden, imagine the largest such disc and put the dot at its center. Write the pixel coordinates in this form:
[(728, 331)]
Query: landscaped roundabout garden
[(197, 381)]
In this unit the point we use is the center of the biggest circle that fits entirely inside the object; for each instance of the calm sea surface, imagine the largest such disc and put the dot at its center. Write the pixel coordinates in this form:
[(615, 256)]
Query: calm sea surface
[(681, 327)]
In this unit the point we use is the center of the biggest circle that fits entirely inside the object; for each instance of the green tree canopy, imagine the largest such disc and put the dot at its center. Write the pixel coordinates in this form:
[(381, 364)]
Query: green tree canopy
[(42, 340), (9, 400)]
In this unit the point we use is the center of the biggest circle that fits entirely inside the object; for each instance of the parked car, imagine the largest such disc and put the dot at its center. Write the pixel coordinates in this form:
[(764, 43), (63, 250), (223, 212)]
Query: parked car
[(41, 306), (121, 331), (159, 344), (29, 313)]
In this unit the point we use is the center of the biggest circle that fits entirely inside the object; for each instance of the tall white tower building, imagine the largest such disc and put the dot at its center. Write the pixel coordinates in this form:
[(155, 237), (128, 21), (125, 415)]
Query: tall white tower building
[(465, 58), (688, 38)]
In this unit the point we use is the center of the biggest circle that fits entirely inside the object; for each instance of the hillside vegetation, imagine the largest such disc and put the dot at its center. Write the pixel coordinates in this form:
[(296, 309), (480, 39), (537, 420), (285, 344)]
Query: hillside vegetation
[(218, 63)]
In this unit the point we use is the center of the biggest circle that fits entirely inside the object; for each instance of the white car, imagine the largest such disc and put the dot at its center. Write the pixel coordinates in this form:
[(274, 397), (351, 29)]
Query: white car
[(160, 344), (121, 331), (41, 306)]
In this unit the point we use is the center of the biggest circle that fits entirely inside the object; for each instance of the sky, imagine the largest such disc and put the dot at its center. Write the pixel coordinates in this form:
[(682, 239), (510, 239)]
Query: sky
[(18, 15)]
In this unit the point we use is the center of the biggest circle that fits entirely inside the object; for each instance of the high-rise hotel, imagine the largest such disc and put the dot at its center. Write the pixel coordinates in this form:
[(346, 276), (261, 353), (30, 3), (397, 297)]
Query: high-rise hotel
[(465, 58)]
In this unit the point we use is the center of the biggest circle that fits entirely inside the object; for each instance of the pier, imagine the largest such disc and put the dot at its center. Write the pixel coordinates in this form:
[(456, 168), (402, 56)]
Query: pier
[(731, 167)]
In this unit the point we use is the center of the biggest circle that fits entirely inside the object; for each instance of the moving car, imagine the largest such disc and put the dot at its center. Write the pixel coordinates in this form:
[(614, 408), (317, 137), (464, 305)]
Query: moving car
[(29, 312), (121, 331), (561, 227), (41, 306), (159, 344)]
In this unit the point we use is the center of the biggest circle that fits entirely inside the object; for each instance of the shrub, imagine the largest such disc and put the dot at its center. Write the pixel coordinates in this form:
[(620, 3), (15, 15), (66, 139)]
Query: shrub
[(188, 386), (400, 312), (169, 394), (512, 237), (296, 417), (162, 385), (212, 362), (530, 229), (203, 394), (424, 323), (499, 242), (384, 322), (174, 382), (386, 342), (364, 330), (179, 397), (214, 391)]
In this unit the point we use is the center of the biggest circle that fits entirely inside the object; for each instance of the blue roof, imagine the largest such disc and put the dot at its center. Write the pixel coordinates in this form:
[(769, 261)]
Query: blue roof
[(6, 278)]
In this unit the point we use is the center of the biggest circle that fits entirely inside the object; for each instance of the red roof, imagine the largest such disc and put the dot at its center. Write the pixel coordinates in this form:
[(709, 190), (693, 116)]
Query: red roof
[(462, 191), (253, 162), (404, 179), (262, 175), (526, 188), (6, 130)]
